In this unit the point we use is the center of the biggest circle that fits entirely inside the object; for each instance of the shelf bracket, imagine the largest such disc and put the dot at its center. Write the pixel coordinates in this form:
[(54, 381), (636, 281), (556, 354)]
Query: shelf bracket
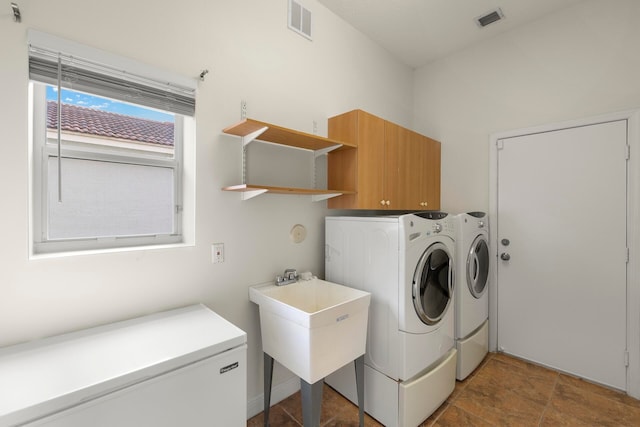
[(246, 195), (324, 151), (247, 139), (321, 197)]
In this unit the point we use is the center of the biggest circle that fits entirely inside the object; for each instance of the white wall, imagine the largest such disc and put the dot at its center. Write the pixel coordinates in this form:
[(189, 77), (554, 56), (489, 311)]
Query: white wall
[(580, 62), (251, 55)]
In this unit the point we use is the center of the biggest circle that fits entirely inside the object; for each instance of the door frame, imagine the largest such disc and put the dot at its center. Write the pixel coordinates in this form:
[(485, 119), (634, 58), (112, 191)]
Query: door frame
[(633, 230)]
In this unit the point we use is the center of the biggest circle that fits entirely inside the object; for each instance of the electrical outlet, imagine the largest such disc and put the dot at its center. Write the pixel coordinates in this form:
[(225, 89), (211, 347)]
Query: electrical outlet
[(217, 253)]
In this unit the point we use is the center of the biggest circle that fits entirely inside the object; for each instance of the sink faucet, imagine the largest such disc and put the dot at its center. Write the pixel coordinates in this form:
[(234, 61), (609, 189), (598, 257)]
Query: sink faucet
[(290, 276)]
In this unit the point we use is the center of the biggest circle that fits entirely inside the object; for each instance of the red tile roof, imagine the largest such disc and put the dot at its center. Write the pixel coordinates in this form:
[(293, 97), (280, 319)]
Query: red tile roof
[(92, 121)]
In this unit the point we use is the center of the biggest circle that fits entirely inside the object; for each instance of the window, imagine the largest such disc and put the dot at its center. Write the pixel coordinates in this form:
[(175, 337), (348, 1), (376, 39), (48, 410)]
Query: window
[(107, 149)]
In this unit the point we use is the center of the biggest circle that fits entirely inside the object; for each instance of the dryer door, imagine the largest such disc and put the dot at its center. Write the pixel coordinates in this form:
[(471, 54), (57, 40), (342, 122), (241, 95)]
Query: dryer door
[(433, 283), (478, 266)]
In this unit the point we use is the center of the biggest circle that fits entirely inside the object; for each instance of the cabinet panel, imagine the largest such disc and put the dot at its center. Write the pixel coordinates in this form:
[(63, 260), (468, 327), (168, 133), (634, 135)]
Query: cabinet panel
[(371, 161), (408, 161), (419, 182), (431, 174), (392, 177), (361, 169)]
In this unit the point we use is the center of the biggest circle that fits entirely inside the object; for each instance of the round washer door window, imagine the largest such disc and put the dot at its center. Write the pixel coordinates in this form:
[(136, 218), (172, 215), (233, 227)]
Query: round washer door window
[(478, 266), (433, 283)]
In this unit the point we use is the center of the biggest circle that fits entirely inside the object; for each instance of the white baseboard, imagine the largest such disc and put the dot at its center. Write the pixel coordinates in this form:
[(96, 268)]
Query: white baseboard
[(278, 392)]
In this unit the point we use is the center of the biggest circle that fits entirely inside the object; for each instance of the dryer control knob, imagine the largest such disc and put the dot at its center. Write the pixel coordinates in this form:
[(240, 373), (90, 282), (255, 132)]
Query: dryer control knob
[(437, 228)]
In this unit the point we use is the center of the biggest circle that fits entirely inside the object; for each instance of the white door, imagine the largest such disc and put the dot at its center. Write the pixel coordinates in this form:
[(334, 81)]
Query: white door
[(562, 251)]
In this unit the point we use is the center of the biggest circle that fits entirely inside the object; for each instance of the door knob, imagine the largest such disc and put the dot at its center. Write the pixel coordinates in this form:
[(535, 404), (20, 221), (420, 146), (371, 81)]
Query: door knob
[(505, 256)]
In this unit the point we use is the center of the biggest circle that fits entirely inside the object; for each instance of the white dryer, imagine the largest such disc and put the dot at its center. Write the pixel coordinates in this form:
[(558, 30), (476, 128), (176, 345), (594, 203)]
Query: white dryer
[(407, 263), (471, 293)]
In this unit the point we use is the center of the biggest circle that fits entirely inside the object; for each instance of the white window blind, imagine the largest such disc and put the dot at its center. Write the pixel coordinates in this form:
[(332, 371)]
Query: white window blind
[(93, 71)]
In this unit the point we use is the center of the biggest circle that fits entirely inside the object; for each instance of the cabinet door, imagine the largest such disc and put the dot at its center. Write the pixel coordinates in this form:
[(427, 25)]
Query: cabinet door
[(394, 136), (371, 162), (418, 171), (411, 156), (430, 173), (360, 169)]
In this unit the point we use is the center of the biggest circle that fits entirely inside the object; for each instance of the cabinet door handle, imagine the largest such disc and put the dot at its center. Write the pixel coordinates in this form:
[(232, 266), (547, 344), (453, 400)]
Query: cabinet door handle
[(382, 202), (388, 202)]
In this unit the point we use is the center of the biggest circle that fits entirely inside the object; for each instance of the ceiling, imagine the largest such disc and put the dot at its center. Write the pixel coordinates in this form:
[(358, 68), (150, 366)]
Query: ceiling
[(420, 31)]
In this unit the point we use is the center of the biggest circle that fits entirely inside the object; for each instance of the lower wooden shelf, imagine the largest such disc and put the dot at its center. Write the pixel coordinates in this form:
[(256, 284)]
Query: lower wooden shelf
[(248, 191)]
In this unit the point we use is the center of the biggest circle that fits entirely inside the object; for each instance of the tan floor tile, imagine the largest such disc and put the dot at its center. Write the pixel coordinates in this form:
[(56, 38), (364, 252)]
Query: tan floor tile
[(484, 362), (460, 386), (553, 418), (529, 382), (600, 390), (343, 412), (491, 401), (524, 367), (456, 417), (433, 417), (331, 403), (591, 408), (348, 416), (277, 417)]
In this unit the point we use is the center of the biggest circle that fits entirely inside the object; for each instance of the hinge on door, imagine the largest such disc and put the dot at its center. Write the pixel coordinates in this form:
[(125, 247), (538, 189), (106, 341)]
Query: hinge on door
[(500, 144), (627, 152), (626, 358), (627, 260), (178, 209)]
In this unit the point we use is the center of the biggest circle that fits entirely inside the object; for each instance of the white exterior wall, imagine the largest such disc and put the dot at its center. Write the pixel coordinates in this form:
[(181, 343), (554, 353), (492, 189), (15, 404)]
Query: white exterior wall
[(250, 54)]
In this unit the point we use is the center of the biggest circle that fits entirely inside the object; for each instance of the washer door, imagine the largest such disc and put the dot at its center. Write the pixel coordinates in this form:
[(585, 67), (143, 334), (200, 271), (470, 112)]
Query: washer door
[(433, 283), (478, 266)]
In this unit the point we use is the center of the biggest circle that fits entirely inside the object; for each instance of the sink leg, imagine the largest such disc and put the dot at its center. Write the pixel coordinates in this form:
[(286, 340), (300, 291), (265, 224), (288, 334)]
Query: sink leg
[(268, 375), (311, 402), (359, 362)]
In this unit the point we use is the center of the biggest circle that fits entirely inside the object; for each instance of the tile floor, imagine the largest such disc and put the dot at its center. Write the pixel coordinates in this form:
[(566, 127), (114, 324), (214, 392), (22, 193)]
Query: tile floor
[(503, 391)]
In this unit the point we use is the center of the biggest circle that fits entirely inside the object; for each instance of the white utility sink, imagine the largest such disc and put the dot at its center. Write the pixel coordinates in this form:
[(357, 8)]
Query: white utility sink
[(312, 327)]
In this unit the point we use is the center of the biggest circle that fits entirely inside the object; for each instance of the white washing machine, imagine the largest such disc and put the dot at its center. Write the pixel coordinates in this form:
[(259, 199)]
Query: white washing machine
[(471, 293), (407, 263)]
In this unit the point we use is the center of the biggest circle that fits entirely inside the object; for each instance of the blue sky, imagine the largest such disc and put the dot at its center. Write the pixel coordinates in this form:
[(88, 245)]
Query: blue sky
[(105, 104)]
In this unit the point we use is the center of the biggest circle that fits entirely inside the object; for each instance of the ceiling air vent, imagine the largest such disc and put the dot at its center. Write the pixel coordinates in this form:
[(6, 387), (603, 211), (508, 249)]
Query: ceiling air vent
[(490, 17), (299, 19)]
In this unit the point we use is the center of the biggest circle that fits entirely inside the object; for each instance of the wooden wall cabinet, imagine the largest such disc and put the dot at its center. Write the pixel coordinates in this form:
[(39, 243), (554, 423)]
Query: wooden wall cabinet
[(392, 168)]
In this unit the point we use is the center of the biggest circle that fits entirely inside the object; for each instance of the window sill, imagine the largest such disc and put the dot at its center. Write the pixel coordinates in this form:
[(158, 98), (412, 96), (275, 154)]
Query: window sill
[(49, 255)]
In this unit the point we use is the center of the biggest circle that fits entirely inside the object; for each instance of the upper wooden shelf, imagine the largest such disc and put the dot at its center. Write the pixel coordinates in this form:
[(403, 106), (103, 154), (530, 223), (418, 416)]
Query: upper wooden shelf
[(283, 136)]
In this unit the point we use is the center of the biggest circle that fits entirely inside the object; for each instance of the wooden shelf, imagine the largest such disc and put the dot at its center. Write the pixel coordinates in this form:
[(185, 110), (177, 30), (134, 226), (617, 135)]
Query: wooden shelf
[(250, 191), (255, 129), (249, 130)]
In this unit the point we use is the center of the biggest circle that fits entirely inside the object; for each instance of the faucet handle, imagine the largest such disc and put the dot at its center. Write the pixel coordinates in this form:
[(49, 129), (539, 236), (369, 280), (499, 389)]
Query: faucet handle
[(290, 274)]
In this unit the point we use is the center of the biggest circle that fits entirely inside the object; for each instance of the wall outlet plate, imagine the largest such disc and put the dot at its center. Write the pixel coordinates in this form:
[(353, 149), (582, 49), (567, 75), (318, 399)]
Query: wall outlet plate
[(217, 253)]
